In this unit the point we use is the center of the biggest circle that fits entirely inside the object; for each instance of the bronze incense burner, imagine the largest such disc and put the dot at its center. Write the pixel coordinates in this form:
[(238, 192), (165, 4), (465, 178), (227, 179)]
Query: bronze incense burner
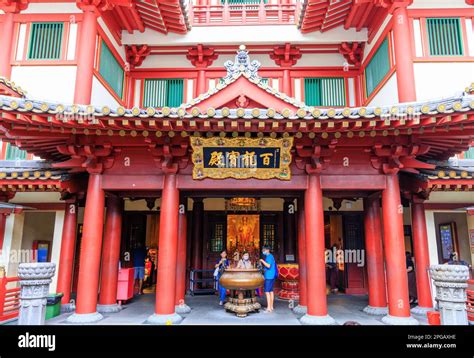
[(242, 284)]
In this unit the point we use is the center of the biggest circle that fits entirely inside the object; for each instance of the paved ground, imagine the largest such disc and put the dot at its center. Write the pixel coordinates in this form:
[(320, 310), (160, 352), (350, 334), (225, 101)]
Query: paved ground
[(207, 311)]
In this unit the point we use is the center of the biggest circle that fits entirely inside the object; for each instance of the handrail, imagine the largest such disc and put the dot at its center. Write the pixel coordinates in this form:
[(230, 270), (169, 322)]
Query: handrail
[(242, 14), (9, 299)]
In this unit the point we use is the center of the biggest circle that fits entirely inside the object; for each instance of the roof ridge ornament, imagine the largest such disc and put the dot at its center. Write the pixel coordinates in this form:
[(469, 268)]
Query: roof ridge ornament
[(242, 65)]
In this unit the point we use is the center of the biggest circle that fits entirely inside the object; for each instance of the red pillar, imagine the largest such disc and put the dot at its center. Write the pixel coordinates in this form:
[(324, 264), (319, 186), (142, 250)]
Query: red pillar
[(6, 39), (85, 57), (181, 306), (286, 85), (422, 257), (91, 245), (402, 40), (66, 259), (315, 255), (375, 262), (110, 257), (397, 280), (201, 82), (167, 255), (302, 306)]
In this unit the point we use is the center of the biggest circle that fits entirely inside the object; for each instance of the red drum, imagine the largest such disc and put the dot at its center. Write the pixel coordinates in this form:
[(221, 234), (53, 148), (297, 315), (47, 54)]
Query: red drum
[(289, 274)]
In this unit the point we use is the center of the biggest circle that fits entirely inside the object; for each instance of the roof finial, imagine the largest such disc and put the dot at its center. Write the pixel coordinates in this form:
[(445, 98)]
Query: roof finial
[(242, 65)]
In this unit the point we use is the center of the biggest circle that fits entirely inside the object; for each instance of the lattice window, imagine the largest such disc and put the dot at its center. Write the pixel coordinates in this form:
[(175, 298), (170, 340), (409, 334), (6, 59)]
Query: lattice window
[(217, 238), (45, 41), (268, 235), (377, 68), (14, 153), (163, 92), (328, 92), (444, 36), (111, 70)]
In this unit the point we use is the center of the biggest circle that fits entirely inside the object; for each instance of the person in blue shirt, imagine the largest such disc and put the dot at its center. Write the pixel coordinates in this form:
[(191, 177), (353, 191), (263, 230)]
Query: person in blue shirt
[(270, 273), (220, 266)]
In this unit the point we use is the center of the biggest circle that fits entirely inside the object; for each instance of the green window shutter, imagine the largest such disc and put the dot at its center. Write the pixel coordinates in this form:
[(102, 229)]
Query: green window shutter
[(333, 93), (14, 153), (444, 36), (110, 69), (327, 92), (45, 41), (163, 92), (377, 68), (312, 91), (469, 154)]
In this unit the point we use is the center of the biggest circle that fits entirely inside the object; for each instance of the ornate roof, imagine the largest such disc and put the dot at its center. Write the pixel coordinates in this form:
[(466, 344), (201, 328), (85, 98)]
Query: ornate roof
[(11, 88)]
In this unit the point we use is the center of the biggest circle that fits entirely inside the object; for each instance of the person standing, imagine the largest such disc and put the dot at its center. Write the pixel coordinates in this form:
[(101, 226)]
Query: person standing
[(219, 268), (270, 273), (139, 255), (412, 292)]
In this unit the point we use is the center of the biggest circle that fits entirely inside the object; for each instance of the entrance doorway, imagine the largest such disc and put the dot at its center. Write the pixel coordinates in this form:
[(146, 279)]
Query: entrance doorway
[(345, 231)]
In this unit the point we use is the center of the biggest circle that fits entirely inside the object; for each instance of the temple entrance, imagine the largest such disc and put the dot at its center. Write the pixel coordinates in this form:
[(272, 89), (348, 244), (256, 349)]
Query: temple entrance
[(344, 235)]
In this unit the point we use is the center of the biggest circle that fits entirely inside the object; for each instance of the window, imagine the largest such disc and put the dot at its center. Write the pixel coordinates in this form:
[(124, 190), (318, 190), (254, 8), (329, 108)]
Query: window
[(377, 68), (325, 92), (217, 238), (163, 93), (111, 70), (14, 153), (268, 233), (469, 154), (45, 41), (444, 37)]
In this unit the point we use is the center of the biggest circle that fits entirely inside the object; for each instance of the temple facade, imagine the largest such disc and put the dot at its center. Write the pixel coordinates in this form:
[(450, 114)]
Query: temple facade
[(196, 127)]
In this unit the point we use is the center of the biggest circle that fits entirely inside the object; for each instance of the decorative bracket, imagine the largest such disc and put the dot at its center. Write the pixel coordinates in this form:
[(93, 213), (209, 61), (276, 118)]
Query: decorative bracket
[(201, 57), (286, 55), (93, 159)]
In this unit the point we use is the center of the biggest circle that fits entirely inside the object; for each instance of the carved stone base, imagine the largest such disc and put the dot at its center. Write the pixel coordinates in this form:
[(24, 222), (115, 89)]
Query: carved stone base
[(421, 311), (300, 310), (375, 311), (68, 307), (164, 319), (242, 309), (400, 321), (113, 308), (84, 318), (182, 309), (317, 320)]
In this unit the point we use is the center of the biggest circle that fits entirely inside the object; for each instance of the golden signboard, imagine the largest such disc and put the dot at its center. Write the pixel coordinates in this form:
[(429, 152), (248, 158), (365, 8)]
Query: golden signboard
[(241, 158)]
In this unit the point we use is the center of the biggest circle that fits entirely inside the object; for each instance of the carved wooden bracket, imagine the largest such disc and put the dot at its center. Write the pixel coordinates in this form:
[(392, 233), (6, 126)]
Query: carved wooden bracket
[(91, 158), (315, 158), (393, 158), (170, 157)]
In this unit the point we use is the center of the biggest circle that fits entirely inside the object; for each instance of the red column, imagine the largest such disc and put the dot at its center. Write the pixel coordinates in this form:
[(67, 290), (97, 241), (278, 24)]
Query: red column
[(66, 259), (201, 82), (422, 257), (167, 255), (375, 262), (315, 255), (302, 306), (6, 39), (91, 245), (402, 40), (286, 85), (110, 257), (181, 306), (397, 280), (85, 56)]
